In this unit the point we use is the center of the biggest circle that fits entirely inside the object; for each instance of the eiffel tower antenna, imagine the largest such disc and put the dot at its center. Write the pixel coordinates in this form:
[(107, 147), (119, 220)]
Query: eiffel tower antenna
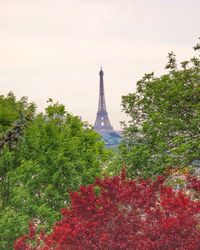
[(102, 123)]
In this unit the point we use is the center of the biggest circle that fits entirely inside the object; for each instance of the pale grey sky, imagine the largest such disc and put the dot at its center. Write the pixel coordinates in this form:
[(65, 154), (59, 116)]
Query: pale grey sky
[(54, 48)]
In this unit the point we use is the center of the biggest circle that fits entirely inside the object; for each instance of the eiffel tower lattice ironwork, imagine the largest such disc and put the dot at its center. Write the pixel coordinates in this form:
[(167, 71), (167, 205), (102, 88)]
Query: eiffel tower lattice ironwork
[(102, 123)]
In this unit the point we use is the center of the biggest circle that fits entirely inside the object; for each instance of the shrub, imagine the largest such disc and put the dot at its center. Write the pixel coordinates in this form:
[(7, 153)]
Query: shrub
[(118, 213)]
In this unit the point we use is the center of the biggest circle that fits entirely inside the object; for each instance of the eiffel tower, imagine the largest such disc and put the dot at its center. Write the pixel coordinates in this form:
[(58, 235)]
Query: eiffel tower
[(102, 123)]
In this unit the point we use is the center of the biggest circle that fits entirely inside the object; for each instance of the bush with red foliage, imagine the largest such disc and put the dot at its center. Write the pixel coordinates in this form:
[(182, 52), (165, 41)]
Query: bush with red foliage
[(117, 213), (193, 183)]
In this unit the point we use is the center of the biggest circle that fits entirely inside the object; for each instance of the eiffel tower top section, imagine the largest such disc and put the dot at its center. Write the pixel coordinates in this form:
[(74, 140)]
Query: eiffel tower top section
[(102, 123)]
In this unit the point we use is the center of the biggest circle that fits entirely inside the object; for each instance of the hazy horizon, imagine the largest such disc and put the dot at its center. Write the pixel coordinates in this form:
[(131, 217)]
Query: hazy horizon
[(54, 48)]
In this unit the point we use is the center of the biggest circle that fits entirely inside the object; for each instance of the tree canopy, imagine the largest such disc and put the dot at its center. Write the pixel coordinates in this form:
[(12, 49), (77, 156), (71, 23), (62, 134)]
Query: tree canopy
[(117, 213), (54, 153), (164, 128)]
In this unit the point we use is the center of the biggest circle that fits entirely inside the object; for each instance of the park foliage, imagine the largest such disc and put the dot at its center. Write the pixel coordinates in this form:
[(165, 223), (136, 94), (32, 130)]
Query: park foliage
[(42, 157), (164, 128), (49, 161), (118, 213)]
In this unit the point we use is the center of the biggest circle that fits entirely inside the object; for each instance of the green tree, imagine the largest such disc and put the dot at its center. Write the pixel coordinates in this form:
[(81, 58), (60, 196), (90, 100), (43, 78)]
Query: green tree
[(165, 112), (11, 110), (14, 117), (57, 154), (22, 111)]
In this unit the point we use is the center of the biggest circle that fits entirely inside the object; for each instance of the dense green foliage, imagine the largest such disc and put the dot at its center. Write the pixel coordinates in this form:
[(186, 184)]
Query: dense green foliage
[(11, 109), (164, 129), (54, 153)]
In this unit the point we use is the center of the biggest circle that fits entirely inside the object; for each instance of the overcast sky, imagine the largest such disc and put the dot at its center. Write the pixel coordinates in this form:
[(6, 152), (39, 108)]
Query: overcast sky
[(54, 48)]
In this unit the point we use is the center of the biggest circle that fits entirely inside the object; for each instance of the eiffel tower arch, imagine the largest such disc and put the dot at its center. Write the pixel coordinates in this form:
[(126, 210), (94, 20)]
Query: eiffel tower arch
[(102, 122)]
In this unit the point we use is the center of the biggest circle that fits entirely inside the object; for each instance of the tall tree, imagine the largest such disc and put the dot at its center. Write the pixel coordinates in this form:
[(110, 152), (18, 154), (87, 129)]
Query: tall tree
[(57, 153), (15, 116), (165, 113)]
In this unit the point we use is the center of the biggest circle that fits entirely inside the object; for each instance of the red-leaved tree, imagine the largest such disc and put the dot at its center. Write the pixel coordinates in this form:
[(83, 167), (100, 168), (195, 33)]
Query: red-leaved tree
[(117, 213)]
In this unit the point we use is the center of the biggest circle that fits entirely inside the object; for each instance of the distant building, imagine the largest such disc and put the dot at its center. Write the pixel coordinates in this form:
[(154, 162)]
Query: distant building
[(111, 139), (102, 123)]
